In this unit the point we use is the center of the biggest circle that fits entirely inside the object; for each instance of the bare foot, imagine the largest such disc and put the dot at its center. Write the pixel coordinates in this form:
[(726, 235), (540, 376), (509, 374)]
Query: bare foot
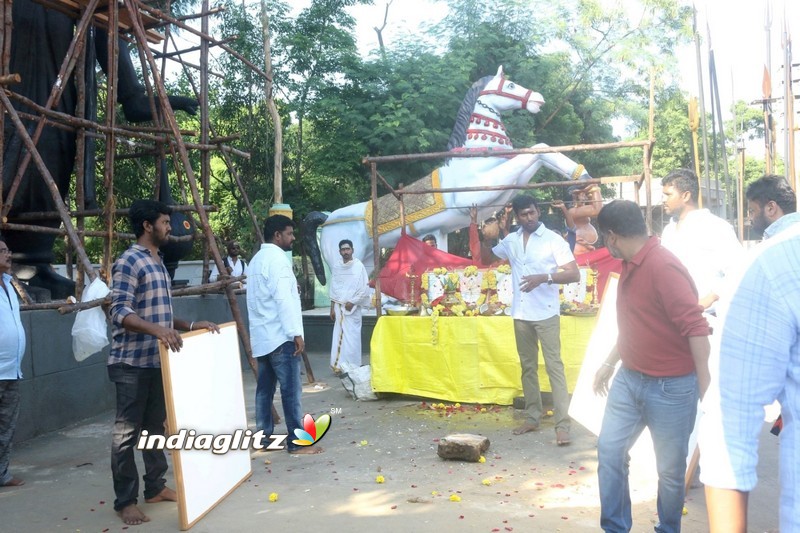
[(14, 482), (562, 437), (132, 515), (307, 450), (527, 427), (166, 495)]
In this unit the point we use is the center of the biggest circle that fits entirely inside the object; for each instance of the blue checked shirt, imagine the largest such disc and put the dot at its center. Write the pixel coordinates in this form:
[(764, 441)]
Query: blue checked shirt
[(759, 362), (140, 285)]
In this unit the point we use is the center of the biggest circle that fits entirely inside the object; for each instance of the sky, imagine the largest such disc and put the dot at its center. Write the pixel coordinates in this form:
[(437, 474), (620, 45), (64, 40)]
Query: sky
[(736, 32)]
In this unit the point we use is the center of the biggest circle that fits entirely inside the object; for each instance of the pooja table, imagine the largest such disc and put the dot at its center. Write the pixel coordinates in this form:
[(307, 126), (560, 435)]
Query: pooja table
[(470, 359)]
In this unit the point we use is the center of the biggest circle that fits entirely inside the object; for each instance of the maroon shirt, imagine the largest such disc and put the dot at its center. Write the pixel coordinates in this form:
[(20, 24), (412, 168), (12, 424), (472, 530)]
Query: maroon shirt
[(657, 312)]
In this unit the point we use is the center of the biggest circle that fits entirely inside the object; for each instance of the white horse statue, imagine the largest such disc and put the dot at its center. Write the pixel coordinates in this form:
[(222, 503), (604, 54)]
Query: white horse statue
[(479, 126)]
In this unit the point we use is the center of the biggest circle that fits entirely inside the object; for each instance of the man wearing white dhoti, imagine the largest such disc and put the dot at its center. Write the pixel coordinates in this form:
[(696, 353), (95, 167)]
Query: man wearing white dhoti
[(349, 294)]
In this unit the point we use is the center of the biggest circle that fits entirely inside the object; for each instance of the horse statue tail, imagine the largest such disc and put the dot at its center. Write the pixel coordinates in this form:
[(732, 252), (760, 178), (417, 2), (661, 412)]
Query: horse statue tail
[(310, 225)]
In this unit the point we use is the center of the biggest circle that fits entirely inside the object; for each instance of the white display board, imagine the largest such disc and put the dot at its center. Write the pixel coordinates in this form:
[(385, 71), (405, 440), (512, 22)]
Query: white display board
[(586, 407), (204, 393)]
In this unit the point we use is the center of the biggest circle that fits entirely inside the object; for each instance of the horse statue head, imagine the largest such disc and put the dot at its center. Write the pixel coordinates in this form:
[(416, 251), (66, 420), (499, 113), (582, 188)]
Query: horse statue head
[(479, 124)]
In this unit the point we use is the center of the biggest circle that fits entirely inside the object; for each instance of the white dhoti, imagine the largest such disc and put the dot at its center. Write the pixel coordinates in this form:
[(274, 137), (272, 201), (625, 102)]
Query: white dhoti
[(346, 342), (348, 285)]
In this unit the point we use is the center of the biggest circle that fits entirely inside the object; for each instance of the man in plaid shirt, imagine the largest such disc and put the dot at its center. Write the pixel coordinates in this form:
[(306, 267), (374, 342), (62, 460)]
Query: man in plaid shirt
[(141, 315)]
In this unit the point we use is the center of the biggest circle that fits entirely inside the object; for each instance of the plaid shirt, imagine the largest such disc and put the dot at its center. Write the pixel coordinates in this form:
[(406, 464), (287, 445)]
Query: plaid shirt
[(140, 285)]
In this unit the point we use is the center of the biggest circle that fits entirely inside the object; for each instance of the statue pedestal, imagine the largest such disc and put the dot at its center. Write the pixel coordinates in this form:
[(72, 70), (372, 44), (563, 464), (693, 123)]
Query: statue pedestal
[(280, 209)]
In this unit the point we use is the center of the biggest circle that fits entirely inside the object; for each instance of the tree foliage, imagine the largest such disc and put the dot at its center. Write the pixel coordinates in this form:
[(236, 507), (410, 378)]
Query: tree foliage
[(591, 63)]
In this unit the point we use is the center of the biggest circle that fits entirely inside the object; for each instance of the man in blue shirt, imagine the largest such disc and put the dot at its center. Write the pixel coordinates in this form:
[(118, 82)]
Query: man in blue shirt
[(760, 352), (12, 348)]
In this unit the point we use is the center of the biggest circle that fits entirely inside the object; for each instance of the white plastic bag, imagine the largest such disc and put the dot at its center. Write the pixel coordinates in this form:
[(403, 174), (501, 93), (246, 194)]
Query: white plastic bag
[(358, 383), (90, 332)]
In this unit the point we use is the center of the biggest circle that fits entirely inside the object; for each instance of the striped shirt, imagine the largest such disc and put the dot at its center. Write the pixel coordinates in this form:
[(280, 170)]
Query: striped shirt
[(140, 285)]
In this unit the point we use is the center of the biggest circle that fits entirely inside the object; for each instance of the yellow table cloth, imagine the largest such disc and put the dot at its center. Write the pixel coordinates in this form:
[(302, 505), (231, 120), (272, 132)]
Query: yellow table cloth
[(463, 359)]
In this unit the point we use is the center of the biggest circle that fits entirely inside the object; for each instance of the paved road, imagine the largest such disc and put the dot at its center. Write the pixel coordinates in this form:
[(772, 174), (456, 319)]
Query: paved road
[(526, 484)]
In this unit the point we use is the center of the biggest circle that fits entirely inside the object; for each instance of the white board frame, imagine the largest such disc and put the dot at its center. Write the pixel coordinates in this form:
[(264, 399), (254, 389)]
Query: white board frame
[(204, 392)]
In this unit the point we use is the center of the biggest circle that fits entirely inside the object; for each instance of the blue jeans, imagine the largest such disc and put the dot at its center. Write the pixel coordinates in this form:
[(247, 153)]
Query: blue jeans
[(280, 366), (667, 406)]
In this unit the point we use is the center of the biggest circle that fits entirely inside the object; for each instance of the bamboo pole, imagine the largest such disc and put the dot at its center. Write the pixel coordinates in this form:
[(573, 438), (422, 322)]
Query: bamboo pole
[(570, 183), (30, 228), (5, 44), (112, 72), (503, 153), (702, 102), (373, 171), (740, 195), (647, 155), (65, 307), (9, 79), (37, 215), (80, 166), (205, 162), (277, 177)]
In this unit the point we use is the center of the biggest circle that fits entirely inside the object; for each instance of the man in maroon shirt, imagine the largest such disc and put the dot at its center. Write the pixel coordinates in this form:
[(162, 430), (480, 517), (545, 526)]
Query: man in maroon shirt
[(663, 345)]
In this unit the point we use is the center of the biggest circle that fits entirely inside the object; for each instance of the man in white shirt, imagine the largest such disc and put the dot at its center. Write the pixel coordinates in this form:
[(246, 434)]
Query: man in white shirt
[(705, 243), (276, 330), (540, 261), (349, 296), (233, 263)]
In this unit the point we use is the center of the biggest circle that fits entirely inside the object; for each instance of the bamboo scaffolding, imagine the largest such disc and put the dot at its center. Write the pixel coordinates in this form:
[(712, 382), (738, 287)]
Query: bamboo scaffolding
[(169, 55), (73, 53), (171, 20), (134, 6), (121, 131), (51, 185), (166, 135)]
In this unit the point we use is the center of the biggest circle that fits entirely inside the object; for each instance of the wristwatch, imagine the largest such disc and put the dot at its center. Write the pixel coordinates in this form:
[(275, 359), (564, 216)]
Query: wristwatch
[(549, 279)]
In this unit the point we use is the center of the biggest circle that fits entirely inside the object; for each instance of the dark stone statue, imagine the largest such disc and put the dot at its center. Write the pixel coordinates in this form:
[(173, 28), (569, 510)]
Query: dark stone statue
[(41, 38)]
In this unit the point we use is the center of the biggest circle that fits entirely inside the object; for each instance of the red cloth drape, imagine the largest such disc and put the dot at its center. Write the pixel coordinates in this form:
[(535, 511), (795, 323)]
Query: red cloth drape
[(601, 261), (412, 255)]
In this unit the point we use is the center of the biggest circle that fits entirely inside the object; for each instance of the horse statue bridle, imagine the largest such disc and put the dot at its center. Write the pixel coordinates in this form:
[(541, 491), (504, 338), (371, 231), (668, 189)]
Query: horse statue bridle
[(499, 91)]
